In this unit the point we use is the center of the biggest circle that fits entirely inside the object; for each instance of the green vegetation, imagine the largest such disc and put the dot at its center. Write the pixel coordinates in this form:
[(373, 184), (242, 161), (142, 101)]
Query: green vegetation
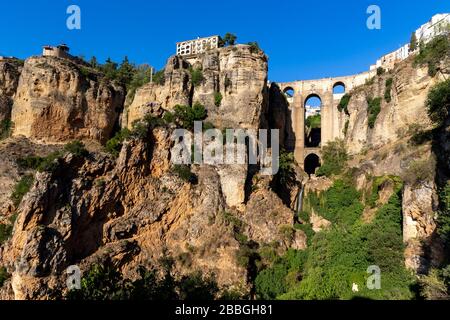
[(340, 256), (343, 104), (436, 284), (334, 157), (432, 54), (185, 116), (420, 171), (374, 108), (229, 39), (7, 229), (184, 172), (387, 92), (438, 102), (4, 275), (413, 42), (76, 148), (254, 46), (444, 213), (159, 77), (313, 122), (281, 276), (380, 71), (41, 164), (21, 189), (217, 99), (347, 122), (114, 145), (286, 172), (5, 129), (196, 76), (104, 282)]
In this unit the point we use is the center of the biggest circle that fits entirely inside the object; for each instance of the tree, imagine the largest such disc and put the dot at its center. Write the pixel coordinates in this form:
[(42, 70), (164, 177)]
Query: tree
[(229, 39), (126, 72), (413, 43), (93, 62), (438, 102), (110, 69)]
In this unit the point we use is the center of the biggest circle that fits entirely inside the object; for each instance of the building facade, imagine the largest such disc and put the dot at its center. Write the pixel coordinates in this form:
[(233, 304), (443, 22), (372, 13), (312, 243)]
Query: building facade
[(200, 45), (61, 51), (438, 25)]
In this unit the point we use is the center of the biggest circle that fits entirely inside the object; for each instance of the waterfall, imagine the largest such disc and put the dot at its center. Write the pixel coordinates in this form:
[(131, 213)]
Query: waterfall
[(299, 206)]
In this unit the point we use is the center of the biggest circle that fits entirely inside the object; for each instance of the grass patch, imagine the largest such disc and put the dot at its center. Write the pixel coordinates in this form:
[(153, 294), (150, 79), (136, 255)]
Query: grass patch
[(21, 189)]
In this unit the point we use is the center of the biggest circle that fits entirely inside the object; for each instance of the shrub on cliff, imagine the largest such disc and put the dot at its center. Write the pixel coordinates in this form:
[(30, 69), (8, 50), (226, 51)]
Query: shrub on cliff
[(184, 173), (373, 109), (432, 53), (105, 282), (217, 99), (76, 148), (334, 156), (185, 116), (21, 189), (438, 103), (5, 129), (387, 91), (343, 104), (196, 76), (3, 275), (114, 144)]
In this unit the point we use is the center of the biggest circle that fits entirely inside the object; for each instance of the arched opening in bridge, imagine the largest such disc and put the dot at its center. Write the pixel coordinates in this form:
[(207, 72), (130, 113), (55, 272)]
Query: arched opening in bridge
[(312, 162), (289, 94), (338, 89), (313, 122)]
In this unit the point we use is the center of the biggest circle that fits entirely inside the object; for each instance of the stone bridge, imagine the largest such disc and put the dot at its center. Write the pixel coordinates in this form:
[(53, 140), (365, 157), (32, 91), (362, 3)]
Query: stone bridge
[(331, 128)]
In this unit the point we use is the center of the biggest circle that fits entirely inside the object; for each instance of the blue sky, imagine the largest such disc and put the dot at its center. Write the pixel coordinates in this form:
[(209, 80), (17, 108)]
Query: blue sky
[(303, 39)]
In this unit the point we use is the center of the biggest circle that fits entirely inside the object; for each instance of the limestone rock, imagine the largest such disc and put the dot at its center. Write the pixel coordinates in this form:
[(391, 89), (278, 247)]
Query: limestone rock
[(56, 102)]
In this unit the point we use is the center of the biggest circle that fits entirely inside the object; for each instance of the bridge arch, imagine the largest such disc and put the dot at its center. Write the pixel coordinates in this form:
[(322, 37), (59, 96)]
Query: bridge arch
[(313, 120), (312, 163), (339, 88)]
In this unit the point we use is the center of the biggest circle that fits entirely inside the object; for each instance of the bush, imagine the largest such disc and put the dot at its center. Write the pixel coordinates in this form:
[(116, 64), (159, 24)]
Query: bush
[(432, 53), (21, 189), (159, 77), (114, 145), (254, 47), (229, 39), (4, 275), (438, 102), (196, 76), (184, 172), (374, 108), (5, 129), (420, 171), (343, 104), (444, 212), (276, 280), (185, 116), (41, 164), (76, 148), (217, 99), (387, 92), (313, 122), (286, 172), (380, 71), (334, 157)]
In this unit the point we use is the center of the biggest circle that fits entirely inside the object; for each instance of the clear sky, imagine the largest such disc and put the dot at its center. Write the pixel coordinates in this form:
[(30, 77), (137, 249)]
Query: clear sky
[(303, 39)]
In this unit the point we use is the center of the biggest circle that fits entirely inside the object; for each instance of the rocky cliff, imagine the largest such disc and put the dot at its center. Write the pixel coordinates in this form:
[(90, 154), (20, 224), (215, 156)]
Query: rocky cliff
[(58, 100)]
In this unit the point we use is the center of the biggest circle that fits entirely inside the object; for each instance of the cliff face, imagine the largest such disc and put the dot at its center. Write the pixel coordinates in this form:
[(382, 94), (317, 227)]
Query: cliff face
[(56, 102), (388, 149), (134, 210), (9, 78), (238, 74)]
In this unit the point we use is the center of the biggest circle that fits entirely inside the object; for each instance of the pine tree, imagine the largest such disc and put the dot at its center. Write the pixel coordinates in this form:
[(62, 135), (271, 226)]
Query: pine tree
[(413, 43)]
